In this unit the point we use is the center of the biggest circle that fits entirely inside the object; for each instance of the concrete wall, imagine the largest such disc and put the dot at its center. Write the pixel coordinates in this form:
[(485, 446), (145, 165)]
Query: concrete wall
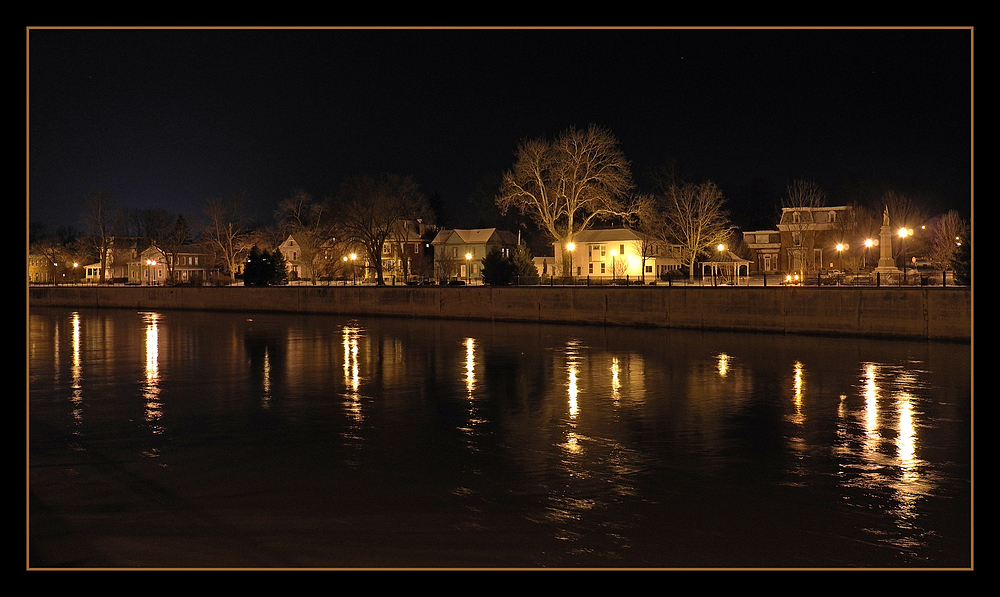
[(918, 312)]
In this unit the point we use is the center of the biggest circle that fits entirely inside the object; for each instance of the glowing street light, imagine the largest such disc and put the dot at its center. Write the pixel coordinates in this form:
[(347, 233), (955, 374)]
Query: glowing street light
[(570, 247), (468, 268), (903, 233), (613, 253)]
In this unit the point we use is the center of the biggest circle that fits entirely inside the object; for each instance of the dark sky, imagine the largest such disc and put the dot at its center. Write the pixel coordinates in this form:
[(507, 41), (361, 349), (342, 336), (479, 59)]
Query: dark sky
[(171, 118)]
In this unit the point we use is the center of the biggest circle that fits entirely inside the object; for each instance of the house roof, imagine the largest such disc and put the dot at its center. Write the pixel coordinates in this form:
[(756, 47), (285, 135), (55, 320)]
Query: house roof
[(726, 257), (473, 236), (604, 235)]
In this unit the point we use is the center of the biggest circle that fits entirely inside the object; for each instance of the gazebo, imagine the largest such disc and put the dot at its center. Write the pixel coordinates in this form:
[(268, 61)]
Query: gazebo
[(725, 268)]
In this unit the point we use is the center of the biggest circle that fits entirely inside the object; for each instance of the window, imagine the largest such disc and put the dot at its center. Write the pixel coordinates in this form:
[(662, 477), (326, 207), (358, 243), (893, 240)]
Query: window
[(833, 216), (590, 268), (621, 249), (602, 267), (454, 252), (649, 269), (795, 217)]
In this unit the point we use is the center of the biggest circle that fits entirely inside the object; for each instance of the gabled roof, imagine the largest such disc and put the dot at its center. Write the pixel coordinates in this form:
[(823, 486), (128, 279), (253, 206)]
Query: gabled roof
[(473, 236), (607, 235)]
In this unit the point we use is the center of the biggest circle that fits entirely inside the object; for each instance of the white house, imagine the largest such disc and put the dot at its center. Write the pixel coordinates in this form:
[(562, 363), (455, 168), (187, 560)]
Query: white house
[(615, 254)]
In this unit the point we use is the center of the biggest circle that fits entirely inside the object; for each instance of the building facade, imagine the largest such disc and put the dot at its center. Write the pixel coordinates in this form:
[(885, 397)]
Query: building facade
[(615, 254), (458, 254), (807, 240)]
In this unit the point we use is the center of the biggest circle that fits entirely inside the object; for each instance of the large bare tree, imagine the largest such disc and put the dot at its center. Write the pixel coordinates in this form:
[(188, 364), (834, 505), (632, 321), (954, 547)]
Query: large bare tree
[(692, 216), (803, 193), (370, 210), (103, 218), (226, 231), (945, 238), (305, 220), (568, 184)]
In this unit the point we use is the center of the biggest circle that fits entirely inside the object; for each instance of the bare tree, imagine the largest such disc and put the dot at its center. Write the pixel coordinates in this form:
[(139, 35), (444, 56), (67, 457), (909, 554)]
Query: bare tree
[(305, 220), (803, 193), (103, 220), (370, 210), (694, 218), (567, 184), (226, 231), (905, 214), (946, 238), (173, 241)]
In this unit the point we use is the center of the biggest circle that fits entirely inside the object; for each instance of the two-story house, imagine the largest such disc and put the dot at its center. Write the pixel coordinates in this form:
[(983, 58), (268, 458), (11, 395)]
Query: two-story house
[(156, 266), (408, 251), (458, 254), (616, 254), (806, 240)]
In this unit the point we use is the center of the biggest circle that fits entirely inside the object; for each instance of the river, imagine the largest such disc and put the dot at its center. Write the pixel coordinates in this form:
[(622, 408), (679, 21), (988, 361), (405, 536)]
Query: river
[(185, 439)]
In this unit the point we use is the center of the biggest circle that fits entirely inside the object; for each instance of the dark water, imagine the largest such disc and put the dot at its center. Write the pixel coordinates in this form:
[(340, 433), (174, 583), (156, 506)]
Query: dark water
[(185, 439)]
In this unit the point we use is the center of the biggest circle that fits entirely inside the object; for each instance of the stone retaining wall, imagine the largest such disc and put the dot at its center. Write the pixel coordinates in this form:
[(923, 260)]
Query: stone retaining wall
[(912, 313)]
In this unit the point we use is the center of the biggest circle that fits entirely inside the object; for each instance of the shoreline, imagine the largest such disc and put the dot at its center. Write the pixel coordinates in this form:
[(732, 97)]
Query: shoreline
[(905, 313)]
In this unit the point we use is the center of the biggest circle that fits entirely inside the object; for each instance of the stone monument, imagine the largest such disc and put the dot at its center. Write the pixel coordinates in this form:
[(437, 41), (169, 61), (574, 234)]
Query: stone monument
[(886, 264)]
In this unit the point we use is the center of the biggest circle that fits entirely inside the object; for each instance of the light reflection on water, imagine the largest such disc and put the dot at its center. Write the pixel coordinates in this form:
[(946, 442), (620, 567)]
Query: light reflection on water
[(523, 445)]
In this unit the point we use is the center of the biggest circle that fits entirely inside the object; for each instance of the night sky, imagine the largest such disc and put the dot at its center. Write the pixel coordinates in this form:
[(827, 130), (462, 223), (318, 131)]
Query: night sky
[(172, 118)]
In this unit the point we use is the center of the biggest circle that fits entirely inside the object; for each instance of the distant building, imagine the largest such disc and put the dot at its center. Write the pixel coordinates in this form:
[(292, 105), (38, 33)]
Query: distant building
[(458, 253), (766, 247), (805, 241)]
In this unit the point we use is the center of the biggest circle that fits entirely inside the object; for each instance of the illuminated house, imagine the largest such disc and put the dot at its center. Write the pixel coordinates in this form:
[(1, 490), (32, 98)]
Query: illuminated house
[(408, 251), (297, 259), (617, 254), (805, 241), (156, 266), (458, 254), (809, 237)]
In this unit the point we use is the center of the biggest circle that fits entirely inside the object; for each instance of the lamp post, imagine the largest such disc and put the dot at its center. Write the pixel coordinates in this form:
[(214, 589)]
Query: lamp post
[(354, 272), (570, 247), (613, 270), (150, 264), (468, 268), (721, 248), (903, 233), (869, 243)]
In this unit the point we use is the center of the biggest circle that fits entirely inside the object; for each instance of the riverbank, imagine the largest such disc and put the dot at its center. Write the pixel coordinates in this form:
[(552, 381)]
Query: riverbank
[(906, 312)]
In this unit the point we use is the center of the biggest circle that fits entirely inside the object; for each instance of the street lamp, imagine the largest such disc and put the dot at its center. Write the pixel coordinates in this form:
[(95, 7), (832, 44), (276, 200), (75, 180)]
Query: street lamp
[(903, 233), (468, 268), (613, 271), (570, 247), (840, 254), (150, 264), (354, 272)]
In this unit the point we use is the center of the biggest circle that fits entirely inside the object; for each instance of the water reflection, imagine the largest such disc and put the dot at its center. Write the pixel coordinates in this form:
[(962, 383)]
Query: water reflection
[(76, 370), (601, 446), (352, 372), (151, 389)]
